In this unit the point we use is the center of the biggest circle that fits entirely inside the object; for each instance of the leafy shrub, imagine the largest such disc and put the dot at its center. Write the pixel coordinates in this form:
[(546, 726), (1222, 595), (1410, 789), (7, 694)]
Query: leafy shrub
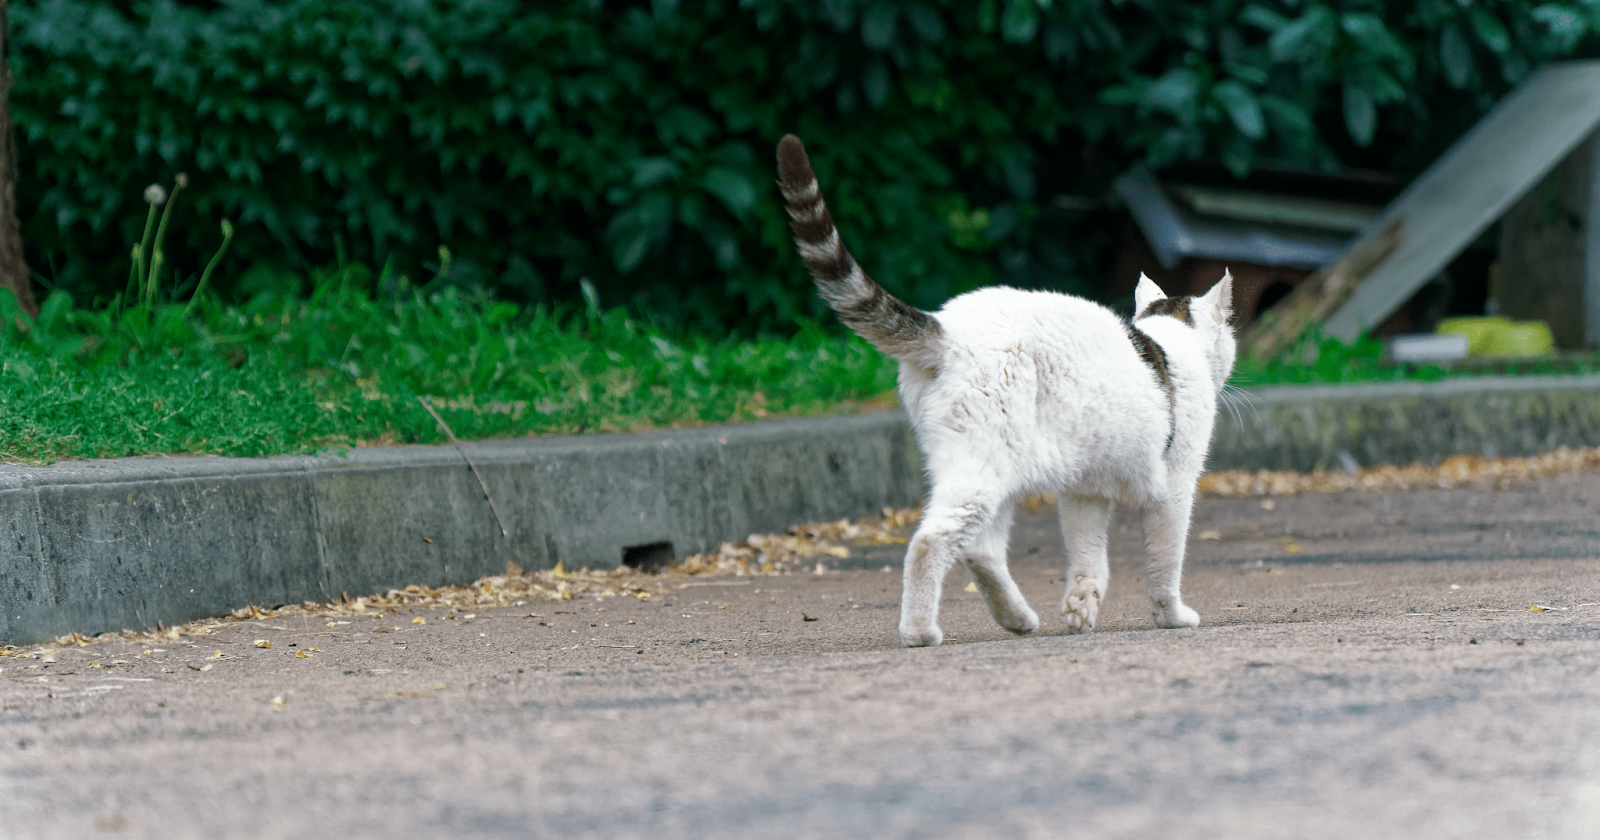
[(631, 143)]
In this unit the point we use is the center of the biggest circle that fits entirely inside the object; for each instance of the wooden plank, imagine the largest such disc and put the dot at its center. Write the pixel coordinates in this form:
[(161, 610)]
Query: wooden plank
[(1318, 295), (1473, 184)]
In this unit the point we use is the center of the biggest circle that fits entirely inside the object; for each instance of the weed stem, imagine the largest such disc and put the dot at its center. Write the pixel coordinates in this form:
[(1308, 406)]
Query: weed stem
[(205, 276)]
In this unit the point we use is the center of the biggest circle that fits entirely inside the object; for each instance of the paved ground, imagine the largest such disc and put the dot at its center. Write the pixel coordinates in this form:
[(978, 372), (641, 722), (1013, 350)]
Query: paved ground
[(1367, 667)]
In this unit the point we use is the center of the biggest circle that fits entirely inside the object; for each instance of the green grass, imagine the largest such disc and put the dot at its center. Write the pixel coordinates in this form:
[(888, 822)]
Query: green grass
[(1319, 359), (343, 366)]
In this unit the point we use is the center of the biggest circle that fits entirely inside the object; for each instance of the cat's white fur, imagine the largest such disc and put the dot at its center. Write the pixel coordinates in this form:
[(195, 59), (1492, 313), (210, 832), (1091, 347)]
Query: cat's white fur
[(1044, 392), (1013, 392)]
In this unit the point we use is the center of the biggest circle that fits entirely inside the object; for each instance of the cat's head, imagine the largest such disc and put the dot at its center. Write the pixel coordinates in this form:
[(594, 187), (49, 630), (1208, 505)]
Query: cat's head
[(1210, 315)]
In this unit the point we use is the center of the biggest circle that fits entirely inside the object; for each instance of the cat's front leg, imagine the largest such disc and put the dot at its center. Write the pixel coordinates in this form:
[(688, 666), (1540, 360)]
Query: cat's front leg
[(1166, 533), (1084, 522)]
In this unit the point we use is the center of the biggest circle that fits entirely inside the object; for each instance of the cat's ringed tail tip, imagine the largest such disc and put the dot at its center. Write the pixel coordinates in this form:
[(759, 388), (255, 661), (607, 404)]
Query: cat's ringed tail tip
[(794, 168)]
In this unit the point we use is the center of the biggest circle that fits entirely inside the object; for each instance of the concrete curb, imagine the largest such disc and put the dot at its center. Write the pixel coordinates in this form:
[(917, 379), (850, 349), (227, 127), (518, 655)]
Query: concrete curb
[(1304, 427), (92, 546)]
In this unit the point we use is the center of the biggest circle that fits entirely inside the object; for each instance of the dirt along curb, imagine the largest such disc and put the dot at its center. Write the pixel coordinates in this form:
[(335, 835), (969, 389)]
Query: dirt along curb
[(96, 546)]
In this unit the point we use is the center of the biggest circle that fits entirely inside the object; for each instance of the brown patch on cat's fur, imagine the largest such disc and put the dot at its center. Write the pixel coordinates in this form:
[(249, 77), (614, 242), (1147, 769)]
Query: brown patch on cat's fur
[(1156, 359), (1176, 306)]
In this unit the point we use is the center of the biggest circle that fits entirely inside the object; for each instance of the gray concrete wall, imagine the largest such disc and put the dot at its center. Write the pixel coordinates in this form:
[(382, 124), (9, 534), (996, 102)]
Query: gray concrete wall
[(1304, 427), (91, 546)]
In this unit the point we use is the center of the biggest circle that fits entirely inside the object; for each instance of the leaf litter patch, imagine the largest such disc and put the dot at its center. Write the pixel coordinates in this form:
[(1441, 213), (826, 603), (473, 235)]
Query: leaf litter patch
[(808, 547), (1455, 471), (803, 548)]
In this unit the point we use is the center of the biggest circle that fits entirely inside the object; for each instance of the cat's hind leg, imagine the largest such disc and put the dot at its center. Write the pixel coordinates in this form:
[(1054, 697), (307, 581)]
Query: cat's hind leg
[(987, 560), (1084, 522), (953, 519), (1166, 532)]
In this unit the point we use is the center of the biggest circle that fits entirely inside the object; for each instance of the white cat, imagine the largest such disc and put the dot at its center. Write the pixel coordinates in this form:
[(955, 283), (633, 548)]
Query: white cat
[(1013, 392)]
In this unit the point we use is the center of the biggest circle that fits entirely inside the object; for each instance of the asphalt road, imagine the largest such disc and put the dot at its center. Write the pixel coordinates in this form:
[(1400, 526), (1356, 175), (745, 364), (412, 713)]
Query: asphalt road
[(1367, 667)]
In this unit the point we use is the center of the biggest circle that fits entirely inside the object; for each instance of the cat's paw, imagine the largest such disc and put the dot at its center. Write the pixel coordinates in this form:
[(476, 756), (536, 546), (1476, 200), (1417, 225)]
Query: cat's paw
[(928, 636), (1173, 614), (1020, 621), (1081, 606)]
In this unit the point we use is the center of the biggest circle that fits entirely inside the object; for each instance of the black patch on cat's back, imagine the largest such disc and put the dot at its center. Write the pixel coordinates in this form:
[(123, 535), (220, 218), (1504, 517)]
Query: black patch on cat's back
[(1156, 359), (1176, 307)]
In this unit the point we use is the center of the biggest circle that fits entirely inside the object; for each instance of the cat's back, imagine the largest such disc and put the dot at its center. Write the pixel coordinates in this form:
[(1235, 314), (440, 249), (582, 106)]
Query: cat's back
[(1000, 318)]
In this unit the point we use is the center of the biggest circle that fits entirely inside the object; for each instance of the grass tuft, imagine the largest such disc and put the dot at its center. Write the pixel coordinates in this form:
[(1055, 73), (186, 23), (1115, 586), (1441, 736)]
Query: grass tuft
[(344, 366), (347, 364)]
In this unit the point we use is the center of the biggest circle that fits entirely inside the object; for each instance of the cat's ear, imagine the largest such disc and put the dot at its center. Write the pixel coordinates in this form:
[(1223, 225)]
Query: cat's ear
[(1146, 293), (1219, 300)]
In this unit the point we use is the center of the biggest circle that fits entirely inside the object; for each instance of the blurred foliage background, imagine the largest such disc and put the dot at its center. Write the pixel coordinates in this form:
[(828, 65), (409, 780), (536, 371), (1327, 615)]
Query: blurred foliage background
[(631, 143)]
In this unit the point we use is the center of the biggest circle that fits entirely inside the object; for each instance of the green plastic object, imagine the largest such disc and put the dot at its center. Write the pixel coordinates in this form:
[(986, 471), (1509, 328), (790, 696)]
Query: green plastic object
[(1496, 335)]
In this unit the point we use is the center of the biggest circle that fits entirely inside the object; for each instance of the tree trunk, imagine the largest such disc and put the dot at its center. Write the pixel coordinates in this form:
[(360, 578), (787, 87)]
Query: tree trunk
[(13, 267)]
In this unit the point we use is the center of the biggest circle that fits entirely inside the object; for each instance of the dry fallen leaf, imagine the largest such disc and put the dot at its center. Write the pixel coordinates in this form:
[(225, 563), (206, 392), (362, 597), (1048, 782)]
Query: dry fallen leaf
[(419, 620), (804, 617), (215, 655), (971, 587), (302, 654), (263, 643)]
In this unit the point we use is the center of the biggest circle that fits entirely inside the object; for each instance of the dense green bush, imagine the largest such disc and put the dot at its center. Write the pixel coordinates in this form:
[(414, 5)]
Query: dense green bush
[(631, 143)]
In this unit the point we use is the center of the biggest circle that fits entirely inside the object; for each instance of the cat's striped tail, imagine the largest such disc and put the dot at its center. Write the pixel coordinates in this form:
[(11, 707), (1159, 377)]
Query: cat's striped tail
[(897, 328)]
